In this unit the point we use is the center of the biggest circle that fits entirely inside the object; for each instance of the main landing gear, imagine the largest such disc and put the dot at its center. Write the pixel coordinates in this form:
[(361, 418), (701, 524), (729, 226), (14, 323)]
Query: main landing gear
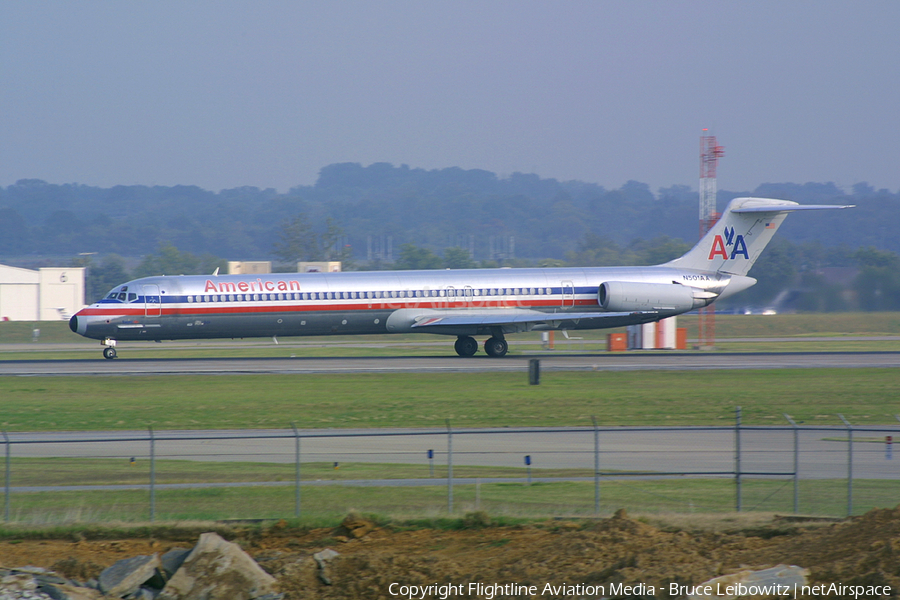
[(494, 347), (465, 346)]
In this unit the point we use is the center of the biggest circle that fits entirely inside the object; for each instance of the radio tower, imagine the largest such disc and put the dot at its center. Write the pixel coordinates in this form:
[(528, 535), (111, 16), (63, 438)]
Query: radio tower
[(709, 159)]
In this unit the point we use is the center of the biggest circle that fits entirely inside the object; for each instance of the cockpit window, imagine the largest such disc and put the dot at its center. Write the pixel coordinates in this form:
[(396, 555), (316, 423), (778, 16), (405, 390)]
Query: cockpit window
[(121, 295)]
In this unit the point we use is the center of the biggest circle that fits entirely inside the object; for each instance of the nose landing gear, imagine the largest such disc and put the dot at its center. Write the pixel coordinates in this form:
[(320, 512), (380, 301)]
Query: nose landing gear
[(109, 352)]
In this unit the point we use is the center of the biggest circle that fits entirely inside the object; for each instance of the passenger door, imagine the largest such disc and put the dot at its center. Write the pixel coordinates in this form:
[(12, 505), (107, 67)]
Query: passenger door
[(152, 300), (568, 293)]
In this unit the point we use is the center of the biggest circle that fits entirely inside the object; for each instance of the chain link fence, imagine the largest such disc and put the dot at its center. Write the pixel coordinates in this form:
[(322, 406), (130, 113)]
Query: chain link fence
[(568, 471)]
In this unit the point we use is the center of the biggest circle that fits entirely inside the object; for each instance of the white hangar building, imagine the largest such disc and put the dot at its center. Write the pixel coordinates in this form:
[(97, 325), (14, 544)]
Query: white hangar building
[(48, 294)]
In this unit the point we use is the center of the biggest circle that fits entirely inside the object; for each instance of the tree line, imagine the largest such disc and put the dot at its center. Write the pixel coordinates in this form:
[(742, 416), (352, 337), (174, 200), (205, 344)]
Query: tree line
[(381, 204), (382, 216)]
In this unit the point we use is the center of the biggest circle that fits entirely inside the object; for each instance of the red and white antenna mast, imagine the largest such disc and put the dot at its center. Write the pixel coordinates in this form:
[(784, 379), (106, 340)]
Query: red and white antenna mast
[(710, 153)]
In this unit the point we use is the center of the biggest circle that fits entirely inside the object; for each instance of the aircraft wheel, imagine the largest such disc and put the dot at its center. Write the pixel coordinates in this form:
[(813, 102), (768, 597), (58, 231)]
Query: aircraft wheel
[(466, 346), (496, 347), (109, 353)]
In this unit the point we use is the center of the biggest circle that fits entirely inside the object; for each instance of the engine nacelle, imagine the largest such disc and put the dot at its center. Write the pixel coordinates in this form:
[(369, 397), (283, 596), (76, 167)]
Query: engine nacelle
[(624, 296)]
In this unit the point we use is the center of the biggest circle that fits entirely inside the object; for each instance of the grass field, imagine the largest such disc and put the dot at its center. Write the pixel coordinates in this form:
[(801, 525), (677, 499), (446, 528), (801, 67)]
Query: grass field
[(813, 396), (537, 500)]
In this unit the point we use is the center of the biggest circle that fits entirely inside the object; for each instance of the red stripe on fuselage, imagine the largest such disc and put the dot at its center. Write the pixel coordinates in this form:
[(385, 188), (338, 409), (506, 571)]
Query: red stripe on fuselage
[(212, 308)]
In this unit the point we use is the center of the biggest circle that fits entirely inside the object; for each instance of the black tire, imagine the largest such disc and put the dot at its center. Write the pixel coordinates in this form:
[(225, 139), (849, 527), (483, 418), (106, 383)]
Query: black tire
[(109, 353), (496, 347), (466, 346)]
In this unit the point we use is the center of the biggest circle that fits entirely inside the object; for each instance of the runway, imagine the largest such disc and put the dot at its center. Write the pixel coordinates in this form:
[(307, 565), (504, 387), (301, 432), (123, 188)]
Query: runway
[(631, 361)]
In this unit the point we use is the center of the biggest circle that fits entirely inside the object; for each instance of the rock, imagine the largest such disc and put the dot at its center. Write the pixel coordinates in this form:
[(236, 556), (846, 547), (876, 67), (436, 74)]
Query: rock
[(31, 570), (49, 578), (52, 592), (143, 593), (127, 575), (218, 570), (18, 582), (74, 592), (322, 559), (31, 583), (356, 526), (172, 560)]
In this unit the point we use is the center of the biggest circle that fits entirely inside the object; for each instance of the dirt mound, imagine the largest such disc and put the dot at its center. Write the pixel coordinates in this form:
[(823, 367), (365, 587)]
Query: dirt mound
[(861, 551)]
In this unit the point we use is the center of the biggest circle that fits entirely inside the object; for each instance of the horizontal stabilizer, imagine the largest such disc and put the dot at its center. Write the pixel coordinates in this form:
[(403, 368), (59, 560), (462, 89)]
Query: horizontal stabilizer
[(782, 208)]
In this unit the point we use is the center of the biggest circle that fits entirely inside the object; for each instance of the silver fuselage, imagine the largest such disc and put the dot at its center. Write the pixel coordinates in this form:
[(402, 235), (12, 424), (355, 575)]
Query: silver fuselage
[(295, 304)]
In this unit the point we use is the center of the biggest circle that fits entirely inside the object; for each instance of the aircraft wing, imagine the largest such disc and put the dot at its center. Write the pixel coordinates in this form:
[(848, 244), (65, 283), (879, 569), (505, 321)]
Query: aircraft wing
[(456, 318)]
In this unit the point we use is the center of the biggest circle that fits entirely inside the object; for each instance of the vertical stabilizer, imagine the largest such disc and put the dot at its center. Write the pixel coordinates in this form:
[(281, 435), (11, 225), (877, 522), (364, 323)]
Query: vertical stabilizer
[(734, 243)]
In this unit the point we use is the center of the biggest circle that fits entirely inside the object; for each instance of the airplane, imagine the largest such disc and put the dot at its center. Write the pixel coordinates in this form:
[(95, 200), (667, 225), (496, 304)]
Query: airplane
[(462, 303)]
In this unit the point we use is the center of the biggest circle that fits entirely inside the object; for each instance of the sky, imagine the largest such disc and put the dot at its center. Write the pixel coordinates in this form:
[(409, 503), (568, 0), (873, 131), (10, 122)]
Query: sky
[(226, 93)]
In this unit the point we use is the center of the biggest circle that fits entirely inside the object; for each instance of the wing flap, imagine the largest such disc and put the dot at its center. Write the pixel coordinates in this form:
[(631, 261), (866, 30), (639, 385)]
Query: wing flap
[(511, 317)]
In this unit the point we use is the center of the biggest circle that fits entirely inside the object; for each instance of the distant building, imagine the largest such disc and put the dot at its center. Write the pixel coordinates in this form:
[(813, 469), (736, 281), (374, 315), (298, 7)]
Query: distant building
[(247, 267), (333, 266), (48, 294)]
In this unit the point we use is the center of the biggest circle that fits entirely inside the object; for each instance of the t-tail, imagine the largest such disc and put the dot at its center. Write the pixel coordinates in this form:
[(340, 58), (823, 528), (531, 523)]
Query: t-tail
[(736, 240)]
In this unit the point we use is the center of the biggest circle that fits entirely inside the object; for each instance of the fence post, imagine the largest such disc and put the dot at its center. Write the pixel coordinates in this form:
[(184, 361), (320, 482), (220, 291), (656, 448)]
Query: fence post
[(596, 467), (6, 480), (449, 468), (796, 464), (849, 465), (296, 470), (152, 475), (737, 457)]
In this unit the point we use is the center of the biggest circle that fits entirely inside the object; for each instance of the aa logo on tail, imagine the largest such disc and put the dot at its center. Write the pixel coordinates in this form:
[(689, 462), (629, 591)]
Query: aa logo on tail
[(720, 245)]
